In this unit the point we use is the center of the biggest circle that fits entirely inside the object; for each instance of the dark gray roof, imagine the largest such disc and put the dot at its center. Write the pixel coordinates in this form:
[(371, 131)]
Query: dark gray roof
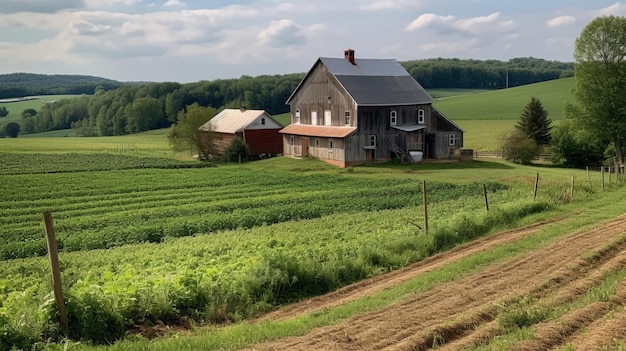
[(376, 82)]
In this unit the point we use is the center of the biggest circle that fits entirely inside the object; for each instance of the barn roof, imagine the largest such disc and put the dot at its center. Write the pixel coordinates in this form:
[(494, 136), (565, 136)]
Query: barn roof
[(236, 120), (318, 131), (375, 82)]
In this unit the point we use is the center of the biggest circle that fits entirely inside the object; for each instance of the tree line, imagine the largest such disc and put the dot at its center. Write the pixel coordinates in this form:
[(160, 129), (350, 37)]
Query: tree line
[(15, 85), (443, 73), (135, 108)]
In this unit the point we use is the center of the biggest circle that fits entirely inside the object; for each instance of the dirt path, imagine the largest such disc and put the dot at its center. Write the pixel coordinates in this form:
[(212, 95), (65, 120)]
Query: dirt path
[(465, 312)]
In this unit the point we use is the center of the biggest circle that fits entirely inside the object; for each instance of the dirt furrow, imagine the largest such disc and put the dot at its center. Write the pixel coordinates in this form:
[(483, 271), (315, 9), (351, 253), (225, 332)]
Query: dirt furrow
[(406, 325)]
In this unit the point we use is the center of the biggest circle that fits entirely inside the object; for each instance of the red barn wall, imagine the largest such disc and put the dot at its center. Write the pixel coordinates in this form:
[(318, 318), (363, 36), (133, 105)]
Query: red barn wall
[(263, 141)]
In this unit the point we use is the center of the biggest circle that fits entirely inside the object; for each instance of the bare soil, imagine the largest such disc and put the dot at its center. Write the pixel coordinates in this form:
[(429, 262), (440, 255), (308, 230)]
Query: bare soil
[(466, 312)]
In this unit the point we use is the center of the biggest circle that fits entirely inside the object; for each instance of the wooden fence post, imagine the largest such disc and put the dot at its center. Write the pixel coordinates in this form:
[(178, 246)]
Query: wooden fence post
[(589, 176), (536, 186), (486, 200), (602, 176), (425, 206), (56, 270), (571, 193)]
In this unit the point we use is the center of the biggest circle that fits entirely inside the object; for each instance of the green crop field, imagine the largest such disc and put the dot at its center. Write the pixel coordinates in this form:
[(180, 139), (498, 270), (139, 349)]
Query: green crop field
[(146, 238)]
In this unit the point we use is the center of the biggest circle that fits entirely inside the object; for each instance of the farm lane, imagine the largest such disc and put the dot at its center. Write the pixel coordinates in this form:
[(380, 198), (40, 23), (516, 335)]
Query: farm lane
[(464, 312)]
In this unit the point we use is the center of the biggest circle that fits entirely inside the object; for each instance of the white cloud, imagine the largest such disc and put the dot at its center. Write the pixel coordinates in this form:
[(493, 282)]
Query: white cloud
[(617, 9), (561, 21), (429, 20), (110, 3), (174, 3), (378, 5), (282, 33), (449, 24)]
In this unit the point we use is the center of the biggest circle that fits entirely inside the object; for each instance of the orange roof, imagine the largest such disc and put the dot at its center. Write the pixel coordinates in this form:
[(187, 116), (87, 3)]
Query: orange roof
[(318, 131)]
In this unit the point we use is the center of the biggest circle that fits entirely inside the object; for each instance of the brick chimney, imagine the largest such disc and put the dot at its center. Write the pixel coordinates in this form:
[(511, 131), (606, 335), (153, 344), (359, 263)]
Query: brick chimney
[(348, 54)]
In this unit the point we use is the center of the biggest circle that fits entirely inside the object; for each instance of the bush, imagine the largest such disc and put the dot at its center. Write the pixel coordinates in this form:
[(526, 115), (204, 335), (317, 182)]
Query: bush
[(519, 149), (237, 148)]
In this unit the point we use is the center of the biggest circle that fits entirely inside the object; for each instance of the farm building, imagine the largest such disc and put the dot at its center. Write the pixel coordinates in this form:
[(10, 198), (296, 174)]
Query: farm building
[(255, 127), (355, 111)]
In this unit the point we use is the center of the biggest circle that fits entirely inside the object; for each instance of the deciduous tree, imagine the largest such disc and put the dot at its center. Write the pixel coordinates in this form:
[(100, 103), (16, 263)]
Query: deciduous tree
[(185, 133), (600, 55), (12, 129)]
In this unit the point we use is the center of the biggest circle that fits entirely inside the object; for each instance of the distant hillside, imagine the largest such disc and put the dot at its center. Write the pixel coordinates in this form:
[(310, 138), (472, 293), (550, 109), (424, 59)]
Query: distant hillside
[(507, 104), (14, 85)]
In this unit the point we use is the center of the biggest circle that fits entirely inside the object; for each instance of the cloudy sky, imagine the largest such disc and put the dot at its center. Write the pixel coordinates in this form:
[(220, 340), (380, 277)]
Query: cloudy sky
[(192, 40)]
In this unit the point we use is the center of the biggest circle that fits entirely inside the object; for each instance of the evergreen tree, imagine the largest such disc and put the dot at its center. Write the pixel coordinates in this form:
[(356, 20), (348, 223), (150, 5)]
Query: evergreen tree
[(534, 123)]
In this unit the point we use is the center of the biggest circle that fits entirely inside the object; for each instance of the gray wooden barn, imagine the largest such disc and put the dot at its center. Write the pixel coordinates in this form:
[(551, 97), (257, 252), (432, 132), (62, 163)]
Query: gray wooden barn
[(355, 111)]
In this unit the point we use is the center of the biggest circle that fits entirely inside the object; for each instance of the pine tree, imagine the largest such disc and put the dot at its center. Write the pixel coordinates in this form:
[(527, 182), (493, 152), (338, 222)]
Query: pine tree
[(534, 123)]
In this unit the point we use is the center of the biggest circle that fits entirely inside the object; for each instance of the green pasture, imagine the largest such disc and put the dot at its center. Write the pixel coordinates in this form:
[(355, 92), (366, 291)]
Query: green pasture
[(15, 108), (151, 143), (508, 104)]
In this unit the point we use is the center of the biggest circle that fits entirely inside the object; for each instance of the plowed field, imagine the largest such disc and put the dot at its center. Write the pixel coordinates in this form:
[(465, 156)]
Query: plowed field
[(466, 312)]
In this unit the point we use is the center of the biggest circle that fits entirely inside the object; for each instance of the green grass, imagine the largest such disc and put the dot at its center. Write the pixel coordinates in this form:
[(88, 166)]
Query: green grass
[(15, 108), (153, 143), (283, 118), (446, 93), (508, 104)]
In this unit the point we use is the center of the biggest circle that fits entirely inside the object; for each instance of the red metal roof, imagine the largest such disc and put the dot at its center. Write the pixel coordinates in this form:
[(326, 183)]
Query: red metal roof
[(318, 131)]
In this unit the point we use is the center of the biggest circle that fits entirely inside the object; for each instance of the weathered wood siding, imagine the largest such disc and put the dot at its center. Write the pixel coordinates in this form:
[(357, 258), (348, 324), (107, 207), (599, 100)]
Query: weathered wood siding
[(322, 92)]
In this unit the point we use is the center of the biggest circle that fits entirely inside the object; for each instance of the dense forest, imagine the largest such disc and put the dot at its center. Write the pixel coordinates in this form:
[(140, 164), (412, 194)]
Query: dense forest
[(133, 108), (16, 85)]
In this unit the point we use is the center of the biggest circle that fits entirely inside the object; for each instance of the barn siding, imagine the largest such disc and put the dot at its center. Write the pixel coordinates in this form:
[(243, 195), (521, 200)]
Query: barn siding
[(264, 141)]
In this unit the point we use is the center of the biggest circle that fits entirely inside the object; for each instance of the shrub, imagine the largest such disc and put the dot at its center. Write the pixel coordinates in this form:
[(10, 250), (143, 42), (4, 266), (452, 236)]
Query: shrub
[(518, 148), (237, 148)]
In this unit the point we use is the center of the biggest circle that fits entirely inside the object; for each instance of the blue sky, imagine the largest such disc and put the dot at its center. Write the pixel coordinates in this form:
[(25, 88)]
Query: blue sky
[(192, 40)]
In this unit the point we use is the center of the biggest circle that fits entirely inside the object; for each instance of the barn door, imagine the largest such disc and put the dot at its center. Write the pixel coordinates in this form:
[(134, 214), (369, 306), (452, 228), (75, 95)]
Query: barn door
[(305, 147)]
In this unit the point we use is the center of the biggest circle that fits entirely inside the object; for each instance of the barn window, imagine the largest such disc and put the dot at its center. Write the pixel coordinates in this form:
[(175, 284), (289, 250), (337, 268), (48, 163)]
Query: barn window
[(373, 140), (330, 145), (314, 118), (452, 139), (291, 141), (393, 117), (317, 142), (347, 118), (327, 118), (263, 121), (297, 116), (420, 116)]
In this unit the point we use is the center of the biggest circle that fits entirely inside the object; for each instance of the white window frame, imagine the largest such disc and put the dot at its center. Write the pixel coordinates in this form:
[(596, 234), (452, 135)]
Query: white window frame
[(328, 118), (330, 146), (347, 114), (291, 140), (263, 120), (421, 116), (372, 140), (452, 139), (314, 118), (297, 121), (393, 117)]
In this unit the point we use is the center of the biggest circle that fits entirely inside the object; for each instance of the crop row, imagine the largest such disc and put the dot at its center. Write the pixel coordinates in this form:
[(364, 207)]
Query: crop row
[(231, 275), (36, 163), (94, 226)]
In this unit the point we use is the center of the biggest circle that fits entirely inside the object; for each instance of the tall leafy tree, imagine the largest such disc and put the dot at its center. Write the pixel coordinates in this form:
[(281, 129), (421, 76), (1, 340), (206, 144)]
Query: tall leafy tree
[(534, 123), (600, 55), (185, 133), (12, 129)]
